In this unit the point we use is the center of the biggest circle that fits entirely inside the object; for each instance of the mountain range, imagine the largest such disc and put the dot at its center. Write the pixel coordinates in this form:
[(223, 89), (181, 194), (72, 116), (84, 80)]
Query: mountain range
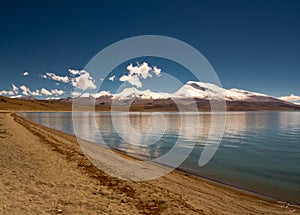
[(191, 92)]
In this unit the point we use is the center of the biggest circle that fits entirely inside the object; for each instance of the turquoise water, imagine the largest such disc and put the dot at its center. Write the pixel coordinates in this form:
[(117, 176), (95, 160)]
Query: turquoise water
[(260, 151)]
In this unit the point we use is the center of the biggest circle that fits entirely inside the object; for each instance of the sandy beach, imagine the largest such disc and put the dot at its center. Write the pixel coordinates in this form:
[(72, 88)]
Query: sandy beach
[(44, 171)]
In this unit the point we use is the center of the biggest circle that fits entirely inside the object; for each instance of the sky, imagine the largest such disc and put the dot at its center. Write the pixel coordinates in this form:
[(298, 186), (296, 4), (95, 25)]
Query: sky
[(252, 45)]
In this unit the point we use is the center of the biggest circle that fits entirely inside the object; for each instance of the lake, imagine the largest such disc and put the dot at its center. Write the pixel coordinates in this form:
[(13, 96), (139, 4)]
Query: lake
[(260, 151)]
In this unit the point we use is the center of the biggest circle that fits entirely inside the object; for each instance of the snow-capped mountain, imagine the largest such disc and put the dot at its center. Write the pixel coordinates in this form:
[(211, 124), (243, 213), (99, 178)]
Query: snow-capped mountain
[(202, 93), (202, 90), (27, 98), (132, 93), (191, 89), (96, 95), (147, 100)]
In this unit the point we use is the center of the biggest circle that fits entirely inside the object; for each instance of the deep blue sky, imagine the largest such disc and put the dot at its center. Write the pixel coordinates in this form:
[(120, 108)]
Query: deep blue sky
[(252, 45)]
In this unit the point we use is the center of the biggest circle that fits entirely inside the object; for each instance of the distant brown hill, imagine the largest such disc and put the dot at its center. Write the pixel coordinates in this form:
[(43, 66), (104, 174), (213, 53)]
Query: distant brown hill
[(19, 104)]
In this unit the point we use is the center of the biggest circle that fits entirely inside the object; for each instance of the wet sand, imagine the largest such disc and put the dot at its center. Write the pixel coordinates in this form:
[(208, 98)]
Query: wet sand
[(44, 171)]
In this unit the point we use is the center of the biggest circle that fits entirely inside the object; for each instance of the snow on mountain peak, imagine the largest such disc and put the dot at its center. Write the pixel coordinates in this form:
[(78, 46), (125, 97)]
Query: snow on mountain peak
[(101, 93), (96, 95), (204, 86), (248, 92), (201, 90), (132, 93), (191, 89)]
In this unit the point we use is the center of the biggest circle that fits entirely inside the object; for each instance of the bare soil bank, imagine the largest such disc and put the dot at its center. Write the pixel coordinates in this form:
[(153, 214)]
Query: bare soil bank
[(44, 171)]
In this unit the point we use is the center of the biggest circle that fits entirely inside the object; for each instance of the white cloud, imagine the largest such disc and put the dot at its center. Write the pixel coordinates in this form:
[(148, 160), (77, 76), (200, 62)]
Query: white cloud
[(75, 72), (131, 79), (64, 79), (25, 90), (76, 94), (4, 92), (35, 93), (15, 89), (46, 92), (156, 71), (57, 92), (83, 81), (139, 71), (95, 95), (290, 98), (112, 78), (25, 73), (101, 93)]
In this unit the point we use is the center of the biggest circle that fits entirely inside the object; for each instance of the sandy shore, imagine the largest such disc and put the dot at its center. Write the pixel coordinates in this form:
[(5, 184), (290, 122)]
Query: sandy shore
[(44, 171)]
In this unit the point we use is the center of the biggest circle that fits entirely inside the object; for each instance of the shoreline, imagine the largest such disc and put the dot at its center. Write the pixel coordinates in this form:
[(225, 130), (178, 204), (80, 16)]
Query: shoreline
[(67, 148), (179, 170)]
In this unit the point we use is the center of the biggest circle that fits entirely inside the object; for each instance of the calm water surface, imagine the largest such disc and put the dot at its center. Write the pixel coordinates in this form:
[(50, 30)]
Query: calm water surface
[(260, 151)]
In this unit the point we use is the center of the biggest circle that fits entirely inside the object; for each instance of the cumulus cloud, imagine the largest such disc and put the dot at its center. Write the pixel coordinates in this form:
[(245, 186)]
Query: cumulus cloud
[(35, 93), (4, 92), (25, 73), (57, 92), (134, 80), (95, 95), (140, 71), (25, 90), (46, 92), (64, 79), (112, 78), (291, 98), (82, 80), (15, 89), (76, 72), (101, 93), (77, 78), (156, 71), (76, 94)]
